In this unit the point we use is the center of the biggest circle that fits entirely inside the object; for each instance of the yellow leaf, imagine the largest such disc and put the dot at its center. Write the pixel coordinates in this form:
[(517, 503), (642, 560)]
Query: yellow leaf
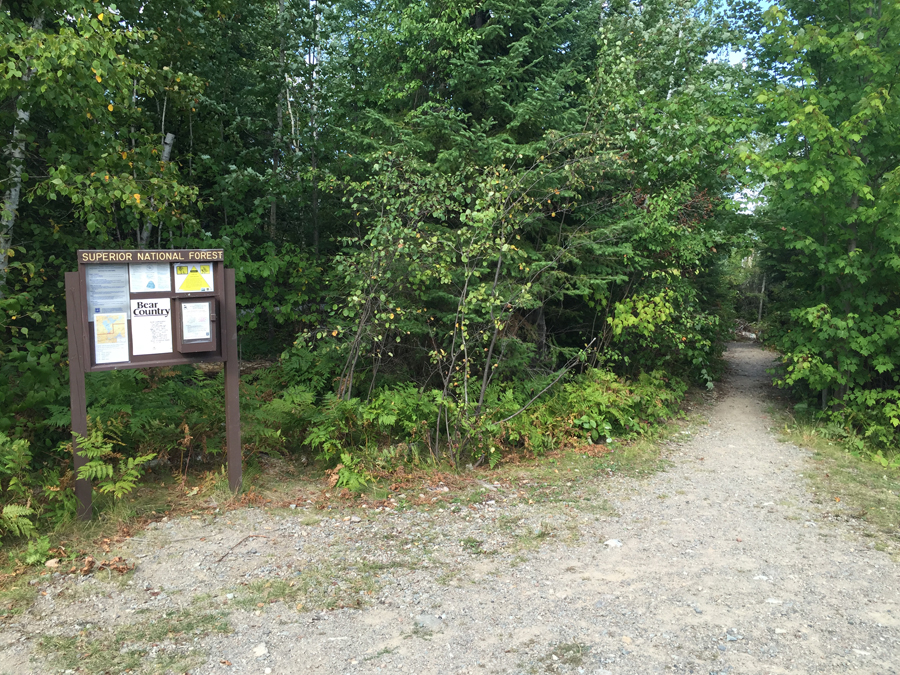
[(124, 155), (110, 107), (12, 254), (100, 16), (99, 79), (137, 198), (90, 117)]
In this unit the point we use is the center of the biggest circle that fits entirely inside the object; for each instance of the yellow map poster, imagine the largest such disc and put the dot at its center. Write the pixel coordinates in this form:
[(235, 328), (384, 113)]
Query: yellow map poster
[(111, 337), (194, 277)]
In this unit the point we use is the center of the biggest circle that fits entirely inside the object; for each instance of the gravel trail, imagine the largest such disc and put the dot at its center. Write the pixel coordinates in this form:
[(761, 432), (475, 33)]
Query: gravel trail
[(723, 563)]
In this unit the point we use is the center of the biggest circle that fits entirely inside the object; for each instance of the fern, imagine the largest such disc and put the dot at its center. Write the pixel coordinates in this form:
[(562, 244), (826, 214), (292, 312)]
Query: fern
[(350, 475), (107, 469), (15, 519), (15, 479), (60, 416), (38, 551), (15, 457)]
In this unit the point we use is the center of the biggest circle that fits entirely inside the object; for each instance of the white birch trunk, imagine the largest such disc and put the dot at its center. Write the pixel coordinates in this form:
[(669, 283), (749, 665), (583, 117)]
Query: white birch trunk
[(144, 238), (16, 153)]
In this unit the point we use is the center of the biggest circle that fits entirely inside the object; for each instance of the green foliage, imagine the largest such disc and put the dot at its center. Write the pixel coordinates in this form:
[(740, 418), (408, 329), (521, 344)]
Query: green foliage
[(108, 470), (29, 498), (168, 412), (32, 356), (398, 426), (68, 66), (16, 514), (38, 551), (830, 112), (15, 520), (350, 473), (437, 213)]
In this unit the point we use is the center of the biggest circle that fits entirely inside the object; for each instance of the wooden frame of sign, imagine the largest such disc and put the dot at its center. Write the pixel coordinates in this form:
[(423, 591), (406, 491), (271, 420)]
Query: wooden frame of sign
[(148, 308)]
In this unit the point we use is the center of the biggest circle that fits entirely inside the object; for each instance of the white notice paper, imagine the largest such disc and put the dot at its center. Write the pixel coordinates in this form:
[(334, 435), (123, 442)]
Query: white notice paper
[(148, 277), (111, 337), (107, 289), (151, 326), (195, 321)]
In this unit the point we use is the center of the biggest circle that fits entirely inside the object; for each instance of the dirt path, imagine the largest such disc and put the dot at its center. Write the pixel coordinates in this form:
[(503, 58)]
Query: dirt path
[(722, 564)]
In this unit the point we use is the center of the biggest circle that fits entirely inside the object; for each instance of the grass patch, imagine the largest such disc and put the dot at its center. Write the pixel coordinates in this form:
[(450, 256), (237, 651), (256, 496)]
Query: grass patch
[(474, 546), (158, 645), (384, 651), (562, 658), (850, 487), (316, 587), (531, 538), (16, 596)]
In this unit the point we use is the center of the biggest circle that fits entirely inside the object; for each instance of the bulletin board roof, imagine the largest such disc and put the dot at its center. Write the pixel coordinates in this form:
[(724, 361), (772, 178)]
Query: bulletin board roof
[(150, 256)]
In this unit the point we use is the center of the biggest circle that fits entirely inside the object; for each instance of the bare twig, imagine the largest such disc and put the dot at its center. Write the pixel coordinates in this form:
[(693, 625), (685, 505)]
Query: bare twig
[(565, 370), (249, 536)]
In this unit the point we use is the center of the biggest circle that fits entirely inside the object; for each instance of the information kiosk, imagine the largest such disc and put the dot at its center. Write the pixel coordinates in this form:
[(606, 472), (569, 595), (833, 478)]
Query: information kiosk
[(146, 308)]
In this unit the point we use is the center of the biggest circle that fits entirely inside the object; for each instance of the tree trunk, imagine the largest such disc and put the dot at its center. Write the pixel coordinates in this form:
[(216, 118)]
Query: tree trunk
[(541, 325), (279, 123), (314, 60), (145, 233), (16, 152), (762, 295)]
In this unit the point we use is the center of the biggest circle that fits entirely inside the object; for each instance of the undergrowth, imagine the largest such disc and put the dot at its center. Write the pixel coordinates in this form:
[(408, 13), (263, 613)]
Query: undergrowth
[(169, 421)]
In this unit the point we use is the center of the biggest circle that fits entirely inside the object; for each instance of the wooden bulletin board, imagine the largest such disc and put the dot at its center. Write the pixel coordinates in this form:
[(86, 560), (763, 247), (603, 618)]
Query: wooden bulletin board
[(147, 308)]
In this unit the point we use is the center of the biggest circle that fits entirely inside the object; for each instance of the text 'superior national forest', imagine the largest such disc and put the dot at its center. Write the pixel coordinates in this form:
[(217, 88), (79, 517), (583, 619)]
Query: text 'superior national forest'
[(463, 232)]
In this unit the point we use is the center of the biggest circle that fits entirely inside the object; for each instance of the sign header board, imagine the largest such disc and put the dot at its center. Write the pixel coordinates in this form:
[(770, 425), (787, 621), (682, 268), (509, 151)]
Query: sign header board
[(150, 256)]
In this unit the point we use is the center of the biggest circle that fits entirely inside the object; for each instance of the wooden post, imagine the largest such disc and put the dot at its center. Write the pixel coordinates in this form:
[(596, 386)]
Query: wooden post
[(74, 297), (232, 387)]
